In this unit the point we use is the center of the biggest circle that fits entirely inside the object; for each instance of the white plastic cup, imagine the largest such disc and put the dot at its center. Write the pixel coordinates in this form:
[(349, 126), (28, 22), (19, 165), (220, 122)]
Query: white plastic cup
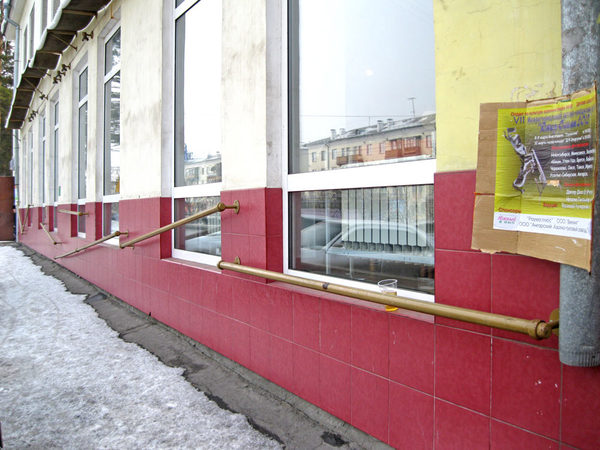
[(388, 286)]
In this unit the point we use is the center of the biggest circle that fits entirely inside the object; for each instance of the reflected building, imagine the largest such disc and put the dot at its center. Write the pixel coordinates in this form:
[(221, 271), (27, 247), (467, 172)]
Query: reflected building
[(386, 141)]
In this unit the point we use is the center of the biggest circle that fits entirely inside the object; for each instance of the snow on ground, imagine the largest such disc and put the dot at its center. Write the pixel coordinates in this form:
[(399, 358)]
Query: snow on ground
[(68, 381)]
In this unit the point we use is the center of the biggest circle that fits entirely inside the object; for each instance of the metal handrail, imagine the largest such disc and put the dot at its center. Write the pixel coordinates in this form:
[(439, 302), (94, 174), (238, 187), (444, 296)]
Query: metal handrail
[(220, 207), (25, 220), (74, 213), (535, 328), (91, 244), (48, 234)]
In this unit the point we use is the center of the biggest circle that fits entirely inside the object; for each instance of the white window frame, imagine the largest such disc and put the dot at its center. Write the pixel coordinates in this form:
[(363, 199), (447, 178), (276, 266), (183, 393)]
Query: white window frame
[(200, 190), (77, 104), (419, 172), (106, 35), (31, 165), (55, 146), (43, 147)]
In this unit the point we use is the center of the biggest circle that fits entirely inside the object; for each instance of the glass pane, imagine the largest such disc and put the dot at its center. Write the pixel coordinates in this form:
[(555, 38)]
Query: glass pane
[(202, 235), (112, 56), (82, 149), (112, 135), (83, 85), (365, 234), (353, 91), (111, 218), (55, 218), (198, 95), (81, 219)]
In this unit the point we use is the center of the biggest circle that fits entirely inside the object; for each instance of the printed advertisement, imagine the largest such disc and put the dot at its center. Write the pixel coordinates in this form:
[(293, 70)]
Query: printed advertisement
[(546, 167)]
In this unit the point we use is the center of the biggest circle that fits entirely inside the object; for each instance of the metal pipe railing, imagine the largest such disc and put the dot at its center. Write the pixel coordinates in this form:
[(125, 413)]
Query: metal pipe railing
[(220, 207), (25, 220), (74, 213), (91, 244), (535, 328), (48, 233)]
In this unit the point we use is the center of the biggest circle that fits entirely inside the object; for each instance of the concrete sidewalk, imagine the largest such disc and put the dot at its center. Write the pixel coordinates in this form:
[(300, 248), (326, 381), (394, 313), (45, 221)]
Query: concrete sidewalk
[(270, 409)]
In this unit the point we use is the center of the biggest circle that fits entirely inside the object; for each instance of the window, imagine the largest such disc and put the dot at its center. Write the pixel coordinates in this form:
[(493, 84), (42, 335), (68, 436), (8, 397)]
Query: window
[(197, 155), (42, 131), (82, 132), (55, 163), (25, 40), (55, 5), (30, 141), (112, 132), (44, 15), (30, 42), (369, 215)]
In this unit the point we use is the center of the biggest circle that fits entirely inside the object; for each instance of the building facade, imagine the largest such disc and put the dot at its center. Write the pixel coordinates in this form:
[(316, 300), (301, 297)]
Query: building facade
[(347, 131)]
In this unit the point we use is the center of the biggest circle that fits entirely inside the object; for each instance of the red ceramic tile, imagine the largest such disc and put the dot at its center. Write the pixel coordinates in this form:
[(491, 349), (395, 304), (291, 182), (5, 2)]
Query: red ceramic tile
[(463, 279), (411, 353), (411, 418), (454, 198), (463, 367), (369, 338), (257, 251), (241, 343), (255, 212), (335, 329), (179, 314), (306, 374), (370, 403), (239, 223), (307, 311), (526, 387), (196, 324), (459, 428), (525, 287), (224, 299), (282, 363), (227, 216), (203, 288), (274, 211), (507, 437), (281, 312), (241, 299), (335, 387), (581, 403), (275, 253), (260, 352), (261, 305)]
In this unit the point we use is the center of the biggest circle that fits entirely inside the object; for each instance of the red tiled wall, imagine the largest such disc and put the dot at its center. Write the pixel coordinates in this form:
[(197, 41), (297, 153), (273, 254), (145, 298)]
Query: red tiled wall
[(413, 382)]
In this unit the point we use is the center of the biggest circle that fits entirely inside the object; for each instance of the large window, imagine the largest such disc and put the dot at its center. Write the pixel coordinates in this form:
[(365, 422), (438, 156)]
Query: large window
[(55, 163), (362, 133), (112, 131), (30, 142), (197, 158), (42, 131), (82, 133)]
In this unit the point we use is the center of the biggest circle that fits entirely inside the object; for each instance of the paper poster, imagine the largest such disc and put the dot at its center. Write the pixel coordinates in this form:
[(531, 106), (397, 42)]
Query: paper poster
[(536, 178)]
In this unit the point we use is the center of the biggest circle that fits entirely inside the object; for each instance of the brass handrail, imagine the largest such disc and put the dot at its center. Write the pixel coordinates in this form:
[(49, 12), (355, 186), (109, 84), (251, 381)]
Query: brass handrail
[(74, 213), (25, 219), (91, 244), (219, 208), (48, 233), (535, 328)]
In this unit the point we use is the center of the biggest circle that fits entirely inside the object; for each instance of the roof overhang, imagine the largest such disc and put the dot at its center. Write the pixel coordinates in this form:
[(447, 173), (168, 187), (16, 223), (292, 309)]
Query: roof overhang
[(72, 17)]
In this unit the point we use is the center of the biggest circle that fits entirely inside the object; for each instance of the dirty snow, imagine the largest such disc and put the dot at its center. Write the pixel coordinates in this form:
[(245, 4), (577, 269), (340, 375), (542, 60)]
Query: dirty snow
[(68, 381)]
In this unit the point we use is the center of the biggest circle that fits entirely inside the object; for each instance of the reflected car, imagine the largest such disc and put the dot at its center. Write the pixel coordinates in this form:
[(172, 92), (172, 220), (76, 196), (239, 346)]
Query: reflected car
[(348, 254)]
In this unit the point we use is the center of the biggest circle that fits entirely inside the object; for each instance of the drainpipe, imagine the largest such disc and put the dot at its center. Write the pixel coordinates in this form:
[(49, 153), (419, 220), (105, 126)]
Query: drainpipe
[(15, 133), (579, 337)]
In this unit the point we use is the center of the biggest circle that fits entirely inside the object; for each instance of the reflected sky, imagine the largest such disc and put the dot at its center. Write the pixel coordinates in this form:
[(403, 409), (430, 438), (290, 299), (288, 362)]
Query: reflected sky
[(361, 61)]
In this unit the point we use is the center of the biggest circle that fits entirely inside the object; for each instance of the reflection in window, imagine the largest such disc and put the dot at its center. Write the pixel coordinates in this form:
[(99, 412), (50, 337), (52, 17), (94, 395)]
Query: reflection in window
[(198, 95), (202, 235), (81, 220), (357, 90), (365, 234), (112, 115), (82, 133), (111, 218)]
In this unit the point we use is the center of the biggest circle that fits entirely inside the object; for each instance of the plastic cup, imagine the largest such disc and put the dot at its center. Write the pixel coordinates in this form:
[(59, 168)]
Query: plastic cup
[(388, 286)]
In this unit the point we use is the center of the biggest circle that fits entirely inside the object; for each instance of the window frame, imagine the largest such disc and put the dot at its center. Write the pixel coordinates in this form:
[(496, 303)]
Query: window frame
[(43, 141), (415, 172), (55, 145), (189, 191), (78, 103), (108, 33)]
